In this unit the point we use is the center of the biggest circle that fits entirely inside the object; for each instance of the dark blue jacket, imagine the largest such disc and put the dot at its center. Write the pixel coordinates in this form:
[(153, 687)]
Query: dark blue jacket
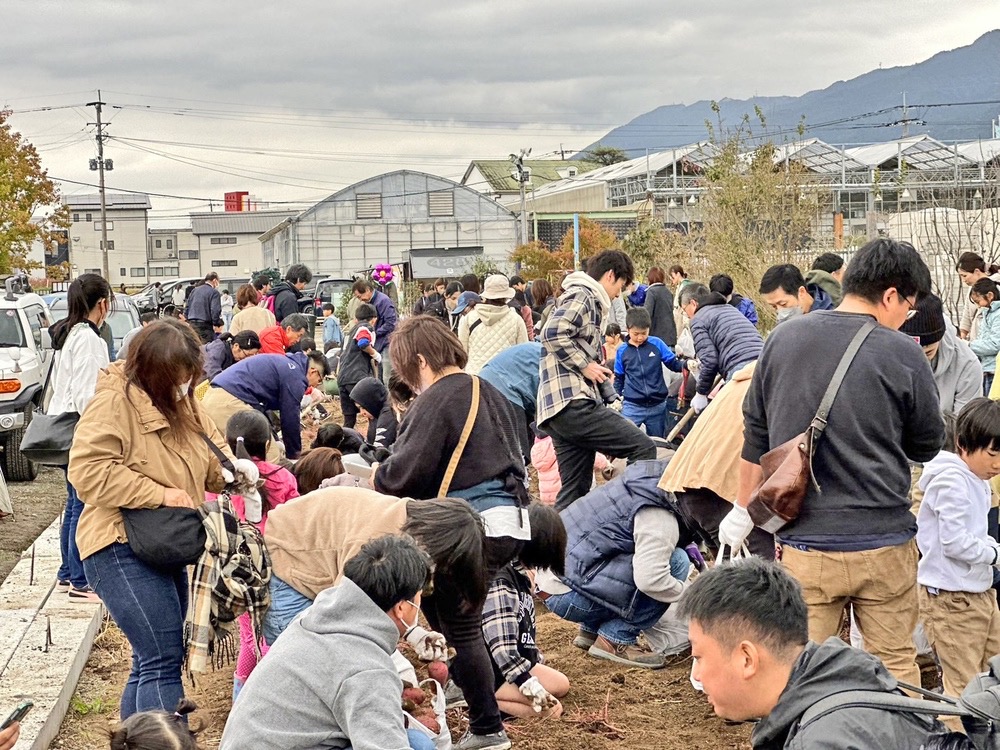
[(515, 373), (286, 300), (387, 319), (271, 382), (723, 340), (639, 371), (821, 300), (745, 305), (600, 542), (205, 305)]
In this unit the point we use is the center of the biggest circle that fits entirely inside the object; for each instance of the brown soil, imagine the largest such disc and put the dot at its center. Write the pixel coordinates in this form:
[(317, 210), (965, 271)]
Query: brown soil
[(36, 505)]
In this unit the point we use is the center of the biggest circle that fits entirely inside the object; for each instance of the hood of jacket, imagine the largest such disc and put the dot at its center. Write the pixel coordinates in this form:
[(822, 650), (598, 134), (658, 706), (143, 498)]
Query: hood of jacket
[(581, 279), (821, 300), (59, 332), (371, 395), (492, 314), (821, 670), (284, 286), (946, 464), (346, 610), (825, 281)]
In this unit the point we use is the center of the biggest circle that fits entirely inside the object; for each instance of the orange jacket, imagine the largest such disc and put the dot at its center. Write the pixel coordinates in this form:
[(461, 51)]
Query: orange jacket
[(273, 340)]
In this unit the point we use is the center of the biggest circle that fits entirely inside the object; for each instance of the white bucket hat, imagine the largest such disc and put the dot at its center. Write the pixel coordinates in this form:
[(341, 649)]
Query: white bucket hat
[(497, 287)]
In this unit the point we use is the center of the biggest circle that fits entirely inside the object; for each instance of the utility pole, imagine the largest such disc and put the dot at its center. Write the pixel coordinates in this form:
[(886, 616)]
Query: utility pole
[(906, 120), (100, 164), (522, 174)]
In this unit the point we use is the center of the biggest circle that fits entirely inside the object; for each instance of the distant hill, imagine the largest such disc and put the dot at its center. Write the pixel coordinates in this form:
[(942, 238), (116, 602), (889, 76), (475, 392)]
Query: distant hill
[(966, 74)]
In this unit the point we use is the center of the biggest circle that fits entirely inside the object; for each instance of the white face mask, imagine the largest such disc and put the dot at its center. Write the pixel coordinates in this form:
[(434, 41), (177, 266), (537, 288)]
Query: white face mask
[(416, 619), (182, 390), (788, 313), (695, 683)]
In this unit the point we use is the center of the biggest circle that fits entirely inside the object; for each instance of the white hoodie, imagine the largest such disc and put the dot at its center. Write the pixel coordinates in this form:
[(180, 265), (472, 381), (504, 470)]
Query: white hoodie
[(77, 363), (956, 551)]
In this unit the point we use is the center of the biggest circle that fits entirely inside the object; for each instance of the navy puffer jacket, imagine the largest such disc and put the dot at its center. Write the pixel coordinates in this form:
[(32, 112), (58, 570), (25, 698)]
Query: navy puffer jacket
[(724, 341)]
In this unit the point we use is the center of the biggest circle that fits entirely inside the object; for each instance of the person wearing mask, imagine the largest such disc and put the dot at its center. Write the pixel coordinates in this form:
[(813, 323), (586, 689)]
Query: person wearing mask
[(828, 273), (227, 350), (204, 308), (80, 356), (444, 308), (519, 303), (971, 268), (786, 291), (286, 294), (385, 309), (141, 444), (251, 316), (659, 303), (492, 326)]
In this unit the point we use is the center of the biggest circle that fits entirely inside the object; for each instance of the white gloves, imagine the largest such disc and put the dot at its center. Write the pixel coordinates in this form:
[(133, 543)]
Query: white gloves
[(693, 366), (377, 356), (247, 473), (698, 403), (306, 401), (541, 699), (428, 645), (735, 527)]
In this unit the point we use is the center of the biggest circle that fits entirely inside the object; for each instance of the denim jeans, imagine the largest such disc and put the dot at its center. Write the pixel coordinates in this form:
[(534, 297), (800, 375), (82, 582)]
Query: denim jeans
[(71, 568), (286, 604), (149, 606), (653, 417)]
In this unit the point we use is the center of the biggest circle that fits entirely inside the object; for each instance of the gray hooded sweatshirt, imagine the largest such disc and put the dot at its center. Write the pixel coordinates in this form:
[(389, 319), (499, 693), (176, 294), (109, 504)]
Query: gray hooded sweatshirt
[(957, 373), (833, 667), (328, 682)]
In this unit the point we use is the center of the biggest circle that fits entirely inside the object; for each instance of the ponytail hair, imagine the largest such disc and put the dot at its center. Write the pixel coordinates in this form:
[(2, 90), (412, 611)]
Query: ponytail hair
[(157, 730), (972, 262), (86, 291), (248, 433)]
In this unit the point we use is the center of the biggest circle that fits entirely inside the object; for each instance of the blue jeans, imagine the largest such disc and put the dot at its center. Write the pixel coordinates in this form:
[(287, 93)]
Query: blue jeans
[(71, 568), (149, 606), (653, 417), (286, 603), (987, 382), (596, 618)]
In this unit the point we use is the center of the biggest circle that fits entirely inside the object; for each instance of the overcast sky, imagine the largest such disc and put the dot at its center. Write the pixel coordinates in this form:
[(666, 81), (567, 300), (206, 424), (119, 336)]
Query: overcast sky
[(355, 89)]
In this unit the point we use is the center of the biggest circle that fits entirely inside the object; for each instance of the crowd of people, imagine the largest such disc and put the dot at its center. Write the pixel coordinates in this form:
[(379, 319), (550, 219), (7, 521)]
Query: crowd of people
[(326, 558)]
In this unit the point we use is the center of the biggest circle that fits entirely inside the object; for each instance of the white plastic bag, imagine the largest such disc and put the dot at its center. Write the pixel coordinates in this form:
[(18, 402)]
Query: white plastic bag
[(442, 741), (734, 554)]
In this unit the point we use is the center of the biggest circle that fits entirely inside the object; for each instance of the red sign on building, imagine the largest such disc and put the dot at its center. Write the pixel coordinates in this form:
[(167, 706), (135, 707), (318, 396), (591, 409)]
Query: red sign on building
[(237, 201)]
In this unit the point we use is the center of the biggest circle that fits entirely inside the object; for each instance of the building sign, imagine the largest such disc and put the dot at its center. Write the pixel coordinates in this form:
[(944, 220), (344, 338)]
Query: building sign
[(431, 263)]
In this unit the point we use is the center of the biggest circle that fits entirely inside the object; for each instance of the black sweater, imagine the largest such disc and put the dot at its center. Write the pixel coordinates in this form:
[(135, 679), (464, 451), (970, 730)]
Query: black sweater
[(886, 412), (430, 431)]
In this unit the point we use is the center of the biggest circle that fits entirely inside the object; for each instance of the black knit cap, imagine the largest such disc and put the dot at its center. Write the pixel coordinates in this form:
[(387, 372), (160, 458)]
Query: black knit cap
[(928, 325)]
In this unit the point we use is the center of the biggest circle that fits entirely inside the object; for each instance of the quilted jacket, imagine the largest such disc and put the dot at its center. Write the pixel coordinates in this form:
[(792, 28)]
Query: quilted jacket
[(487, 331)]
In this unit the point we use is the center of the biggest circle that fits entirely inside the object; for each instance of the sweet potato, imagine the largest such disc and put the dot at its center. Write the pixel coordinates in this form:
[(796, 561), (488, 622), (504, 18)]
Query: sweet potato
[(413, 694), (430, 721), (438, 670), (409, 706)]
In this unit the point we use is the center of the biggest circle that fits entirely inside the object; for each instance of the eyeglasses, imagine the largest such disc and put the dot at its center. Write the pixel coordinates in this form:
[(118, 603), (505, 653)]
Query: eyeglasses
[(912, 312)]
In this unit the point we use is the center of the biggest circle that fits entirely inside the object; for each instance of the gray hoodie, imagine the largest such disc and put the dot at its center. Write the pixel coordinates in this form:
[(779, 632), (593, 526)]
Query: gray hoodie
[(328, 682), (833, 667), (957, 373)]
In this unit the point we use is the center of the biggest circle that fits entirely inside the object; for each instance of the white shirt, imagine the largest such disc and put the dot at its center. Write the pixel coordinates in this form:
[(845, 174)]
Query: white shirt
[(82, 357)]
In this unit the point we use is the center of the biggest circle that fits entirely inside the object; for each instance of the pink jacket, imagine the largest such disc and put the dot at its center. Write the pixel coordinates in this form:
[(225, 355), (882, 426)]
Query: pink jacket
[(279, 484), (543, 458)]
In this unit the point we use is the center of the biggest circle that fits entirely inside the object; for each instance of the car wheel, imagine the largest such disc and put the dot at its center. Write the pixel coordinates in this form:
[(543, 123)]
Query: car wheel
[(16, 466)]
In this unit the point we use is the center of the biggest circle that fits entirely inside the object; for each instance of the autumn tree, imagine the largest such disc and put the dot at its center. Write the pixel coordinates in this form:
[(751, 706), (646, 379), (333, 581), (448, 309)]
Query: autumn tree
[(650, 244), (594, 237), (30, 205), (537, 261), (605, 155)]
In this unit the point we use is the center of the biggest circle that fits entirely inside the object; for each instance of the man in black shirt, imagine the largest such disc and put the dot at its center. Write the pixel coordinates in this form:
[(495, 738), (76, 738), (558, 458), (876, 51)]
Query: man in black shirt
[(853, 542)]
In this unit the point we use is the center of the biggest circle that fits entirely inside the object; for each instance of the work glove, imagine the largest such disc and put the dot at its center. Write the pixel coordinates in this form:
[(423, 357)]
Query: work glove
[(428, 645), (377, 356), (247, 474), (699, 403), (693, 366), (541, 699), (735, 527)]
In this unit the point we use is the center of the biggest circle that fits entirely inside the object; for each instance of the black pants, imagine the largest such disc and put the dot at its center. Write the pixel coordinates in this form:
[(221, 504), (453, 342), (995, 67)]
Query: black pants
[(204, 330), (462, 627), (583, 429), (703, 511), (348, 407)]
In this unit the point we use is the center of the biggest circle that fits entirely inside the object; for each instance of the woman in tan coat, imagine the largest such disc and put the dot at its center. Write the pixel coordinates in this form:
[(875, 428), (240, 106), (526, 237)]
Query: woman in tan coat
[(139, 444), (251, 317)]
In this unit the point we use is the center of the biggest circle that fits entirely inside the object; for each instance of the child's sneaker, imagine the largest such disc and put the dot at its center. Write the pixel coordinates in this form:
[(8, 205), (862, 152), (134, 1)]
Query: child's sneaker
[(86, 595)]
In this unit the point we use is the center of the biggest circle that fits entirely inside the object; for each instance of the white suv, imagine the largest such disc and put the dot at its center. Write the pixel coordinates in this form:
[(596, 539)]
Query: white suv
[(25, 357)]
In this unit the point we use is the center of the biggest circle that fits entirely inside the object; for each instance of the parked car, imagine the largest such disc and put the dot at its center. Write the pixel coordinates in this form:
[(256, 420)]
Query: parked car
[(123, 318), (143, 299), (332, 291), (25, 359)]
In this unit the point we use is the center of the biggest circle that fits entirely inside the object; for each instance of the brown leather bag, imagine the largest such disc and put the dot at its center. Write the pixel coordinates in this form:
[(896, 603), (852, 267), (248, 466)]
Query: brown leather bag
[(787, 469)]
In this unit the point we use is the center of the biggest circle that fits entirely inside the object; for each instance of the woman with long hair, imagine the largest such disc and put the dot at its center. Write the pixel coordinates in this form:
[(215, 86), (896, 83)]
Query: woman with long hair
[(141, 444), (251, 317), (545, 299), (81, 354), (971, 268), (489, 475)]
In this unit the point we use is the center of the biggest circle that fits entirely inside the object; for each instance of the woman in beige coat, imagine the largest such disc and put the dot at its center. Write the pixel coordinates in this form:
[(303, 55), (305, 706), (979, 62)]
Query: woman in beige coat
[(139, 444)]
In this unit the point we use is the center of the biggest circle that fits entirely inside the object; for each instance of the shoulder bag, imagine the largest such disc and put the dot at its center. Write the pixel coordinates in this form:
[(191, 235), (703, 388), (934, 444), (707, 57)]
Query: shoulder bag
[(456, 456), (47, 438), (170, 538), (788, 468)]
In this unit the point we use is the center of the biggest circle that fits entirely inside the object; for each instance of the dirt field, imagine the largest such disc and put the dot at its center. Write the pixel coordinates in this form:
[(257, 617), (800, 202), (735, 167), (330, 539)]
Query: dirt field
[(36, 504)]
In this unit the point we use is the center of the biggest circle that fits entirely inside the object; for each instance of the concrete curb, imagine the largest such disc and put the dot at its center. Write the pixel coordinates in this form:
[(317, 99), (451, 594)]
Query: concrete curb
[(45, 641)]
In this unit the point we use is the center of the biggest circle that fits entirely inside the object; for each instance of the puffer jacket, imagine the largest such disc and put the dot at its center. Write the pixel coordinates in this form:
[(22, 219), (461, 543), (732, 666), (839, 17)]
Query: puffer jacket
[(987, 344), (724, 341), (125, 455), (487, 331), (543, 458)]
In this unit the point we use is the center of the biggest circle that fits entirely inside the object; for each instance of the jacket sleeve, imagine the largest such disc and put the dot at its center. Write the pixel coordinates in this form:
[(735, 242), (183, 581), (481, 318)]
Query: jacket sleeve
[(213, 361), (216, 308), (923, 429), (463, 330), (948, 500), (969, 313), (656, 534), (387, 320), (291, 424), (559, 336), (620, 369), (89, 356), (751, 311), (97, 463), (501, 632), (214, 482), (368, 710), (987, 343), (708, 356), (755, 436), (668, 357)]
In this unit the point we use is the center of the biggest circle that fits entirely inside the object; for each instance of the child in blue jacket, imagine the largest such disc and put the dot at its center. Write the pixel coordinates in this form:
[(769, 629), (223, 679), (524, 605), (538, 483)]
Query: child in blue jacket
[(639, 374)]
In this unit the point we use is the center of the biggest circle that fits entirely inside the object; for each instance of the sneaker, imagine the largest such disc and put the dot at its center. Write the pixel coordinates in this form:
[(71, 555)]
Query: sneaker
[(86, 595), (585, 640), (62, 586), (453, 695), (633, 656), (493, 741)]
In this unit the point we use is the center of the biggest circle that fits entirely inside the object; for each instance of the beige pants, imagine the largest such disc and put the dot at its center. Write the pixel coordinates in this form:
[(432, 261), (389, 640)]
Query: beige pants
[(881, 584), (964, 630), (220, 405)]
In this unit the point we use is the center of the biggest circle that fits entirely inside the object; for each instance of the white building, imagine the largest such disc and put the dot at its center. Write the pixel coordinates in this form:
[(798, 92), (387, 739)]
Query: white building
[(436, 225), (173, 253), (227, 242), (128, 221)]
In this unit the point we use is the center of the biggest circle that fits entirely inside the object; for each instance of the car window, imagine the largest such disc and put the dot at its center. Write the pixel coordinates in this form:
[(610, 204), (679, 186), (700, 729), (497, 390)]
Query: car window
[(11, 332), (121, 322), (37, 322)]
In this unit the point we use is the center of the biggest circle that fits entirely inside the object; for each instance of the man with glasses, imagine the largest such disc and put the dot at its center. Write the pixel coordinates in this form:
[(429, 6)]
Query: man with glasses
[(853, 542)]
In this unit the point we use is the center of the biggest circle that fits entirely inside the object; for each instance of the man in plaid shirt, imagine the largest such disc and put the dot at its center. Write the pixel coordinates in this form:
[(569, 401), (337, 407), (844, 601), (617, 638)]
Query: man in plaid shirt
[(570, 408)]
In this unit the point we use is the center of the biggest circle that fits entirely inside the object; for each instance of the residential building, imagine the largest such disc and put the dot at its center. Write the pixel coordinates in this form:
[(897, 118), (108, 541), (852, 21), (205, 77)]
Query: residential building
[(128, 220), (227, 241)]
